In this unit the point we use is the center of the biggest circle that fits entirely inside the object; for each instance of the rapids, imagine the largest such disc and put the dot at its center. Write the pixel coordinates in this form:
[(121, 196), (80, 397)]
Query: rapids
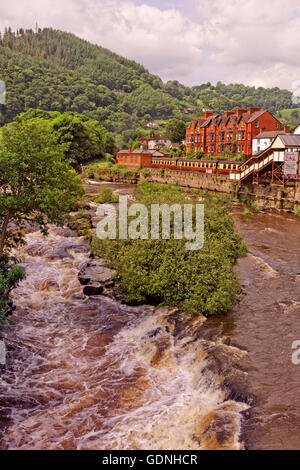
[(94, 373)]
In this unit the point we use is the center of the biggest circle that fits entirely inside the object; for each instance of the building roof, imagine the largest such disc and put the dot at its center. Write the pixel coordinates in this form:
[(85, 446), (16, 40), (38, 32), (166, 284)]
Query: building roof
[(234, 162), (158, 137), (144, 152), (137, 151), (290, 140), (269, 134), (197, 160), (207, 121), (160, 153), (252, 117)]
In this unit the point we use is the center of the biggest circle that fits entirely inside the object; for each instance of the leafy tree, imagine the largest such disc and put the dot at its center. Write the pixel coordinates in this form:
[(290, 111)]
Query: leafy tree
[(37, 185), (84, 139), (175, 130)]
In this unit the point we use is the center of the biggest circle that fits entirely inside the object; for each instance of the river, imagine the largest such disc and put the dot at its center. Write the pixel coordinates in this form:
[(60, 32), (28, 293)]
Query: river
[(94, 373)]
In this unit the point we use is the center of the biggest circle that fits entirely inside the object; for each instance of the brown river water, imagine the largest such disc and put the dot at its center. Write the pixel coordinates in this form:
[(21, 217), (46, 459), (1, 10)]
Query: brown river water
[(94, 373)]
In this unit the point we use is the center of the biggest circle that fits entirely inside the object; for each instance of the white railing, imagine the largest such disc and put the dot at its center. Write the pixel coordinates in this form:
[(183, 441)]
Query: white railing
[(255, 166)]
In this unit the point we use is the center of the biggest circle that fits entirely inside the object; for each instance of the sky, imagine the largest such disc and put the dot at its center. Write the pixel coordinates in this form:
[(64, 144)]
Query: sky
[(255, 42)]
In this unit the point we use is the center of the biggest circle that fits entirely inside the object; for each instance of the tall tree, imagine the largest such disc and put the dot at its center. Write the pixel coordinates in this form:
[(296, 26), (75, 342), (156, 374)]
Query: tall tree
[(37, 185), (175, 130)]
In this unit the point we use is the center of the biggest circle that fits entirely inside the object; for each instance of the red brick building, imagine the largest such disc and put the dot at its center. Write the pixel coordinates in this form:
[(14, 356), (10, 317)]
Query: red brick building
[(233, 131), (138, 158)]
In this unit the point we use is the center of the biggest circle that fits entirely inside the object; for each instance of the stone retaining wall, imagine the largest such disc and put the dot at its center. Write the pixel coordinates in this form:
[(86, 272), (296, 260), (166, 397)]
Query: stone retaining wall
[(266, 196)]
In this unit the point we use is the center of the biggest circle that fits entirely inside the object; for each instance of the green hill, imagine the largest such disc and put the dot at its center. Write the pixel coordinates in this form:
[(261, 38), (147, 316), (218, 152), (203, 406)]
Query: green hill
[(57, 71), (289, 116)]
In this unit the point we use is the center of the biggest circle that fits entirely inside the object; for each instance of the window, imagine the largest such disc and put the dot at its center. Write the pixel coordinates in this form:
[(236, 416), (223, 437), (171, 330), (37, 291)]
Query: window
[(256, 124), (276, 126)]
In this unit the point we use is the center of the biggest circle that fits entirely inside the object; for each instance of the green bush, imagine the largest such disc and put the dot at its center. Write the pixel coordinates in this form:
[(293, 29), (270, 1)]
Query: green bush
[(255, 206), (106, 196), (163, 271), (10, 274), (145, 172), (247, 212), (297, 211), (109, 158)]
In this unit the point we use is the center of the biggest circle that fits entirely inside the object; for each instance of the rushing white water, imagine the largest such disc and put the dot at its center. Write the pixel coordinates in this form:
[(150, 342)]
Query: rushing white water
[(92, 373)]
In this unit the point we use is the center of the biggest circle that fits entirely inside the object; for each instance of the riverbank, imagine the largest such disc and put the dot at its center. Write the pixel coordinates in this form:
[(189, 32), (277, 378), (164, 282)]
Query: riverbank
[(265, 196)]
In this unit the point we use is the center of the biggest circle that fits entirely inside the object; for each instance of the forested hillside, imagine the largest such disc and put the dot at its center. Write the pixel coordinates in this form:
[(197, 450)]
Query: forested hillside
[(57, 71)]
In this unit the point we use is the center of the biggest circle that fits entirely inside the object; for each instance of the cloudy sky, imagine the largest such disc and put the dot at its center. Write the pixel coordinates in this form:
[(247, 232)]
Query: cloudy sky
[(254, 42)]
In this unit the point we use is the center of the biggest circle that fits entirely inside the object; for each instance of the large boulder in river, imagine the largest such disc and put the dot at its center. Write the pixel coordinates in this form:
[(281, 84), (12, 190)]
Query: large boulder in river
[(95, 275)]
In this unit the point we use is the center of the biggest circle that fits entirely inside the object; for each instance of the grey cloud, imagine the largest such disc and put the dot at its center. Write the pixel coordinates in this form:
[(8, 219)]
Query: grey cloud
[(253, 42)]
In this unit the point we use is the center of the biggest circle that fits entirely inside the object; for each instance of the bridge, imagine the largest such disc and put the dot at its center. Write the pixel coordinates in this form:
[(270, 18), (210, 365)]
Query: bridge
[(269, 165)]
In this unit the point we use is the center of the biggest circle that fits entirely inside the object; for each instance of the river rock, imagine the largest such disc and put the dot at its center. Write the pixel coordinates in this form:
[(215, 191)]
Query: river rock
[(95, 277), (93, 289), (94, 271)]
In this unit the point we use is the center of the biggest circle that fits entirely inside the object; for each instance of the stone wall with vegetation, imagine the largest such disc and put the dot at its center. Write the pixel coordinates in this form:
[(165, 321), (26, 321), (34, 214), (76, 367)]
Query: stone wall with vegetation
[(265, 196)]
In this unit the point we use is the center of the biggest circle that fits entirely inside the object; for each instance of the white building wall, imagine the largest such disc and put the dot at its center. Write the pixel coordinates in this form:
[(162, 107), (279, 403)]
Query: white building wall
[(297, 130), (152, 144), (260, 144)]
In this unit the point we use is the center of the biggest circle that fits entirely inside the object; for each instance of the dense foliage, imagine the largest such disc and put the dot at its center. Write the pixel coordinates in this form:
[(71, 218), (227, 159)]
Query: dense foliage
[(164, 271), (83, 139), (10, 274), (57, 71), (175, 130), (289, 116), (37, 185)]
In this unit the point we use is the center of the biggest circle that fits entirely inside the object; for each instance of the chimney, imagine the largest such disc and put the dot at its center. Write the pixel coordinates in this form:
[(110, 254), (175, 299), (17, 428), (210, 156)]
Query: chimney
[(130, 148), (207, 113), (240, 111), (228, 113), (253, 109), (287, 129)]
